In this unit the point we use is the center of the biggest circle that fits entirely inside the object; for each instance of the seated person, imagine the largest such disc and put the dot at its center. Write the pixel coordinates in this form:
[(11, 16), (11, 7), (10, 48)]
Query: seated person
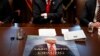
[(13, 11), (51, 48), (47, 11), (20, 11), (5, 11), (90, 14), (69, 11), (66, 5)]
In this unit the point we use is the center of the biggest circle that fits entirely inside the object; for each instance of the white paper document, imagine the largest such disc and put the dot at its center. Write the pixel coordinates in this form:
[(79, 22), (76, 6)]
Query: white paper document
[(64, 31), (47, 32), (72, 35)]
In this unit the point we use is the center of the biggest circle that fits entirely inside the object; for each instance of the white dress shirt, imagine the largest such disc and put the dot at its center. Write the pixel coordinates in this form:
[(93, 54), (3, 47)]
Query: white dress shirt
[(47, 1), (97, 7), (96, 10), (54, 46), (45, 14)]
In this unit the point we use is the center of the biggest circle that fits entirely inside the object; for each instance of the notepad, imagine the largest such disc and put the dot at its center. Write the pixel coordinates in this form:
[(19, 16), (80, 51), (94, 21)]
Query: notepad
[(47, 32), (72, 35), (64, 31)]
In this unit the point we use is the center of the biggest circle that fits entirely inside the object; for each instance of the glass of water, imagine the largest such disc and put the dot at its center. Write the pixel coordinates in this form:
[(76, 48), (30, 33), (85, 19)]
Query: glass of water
[(90, 29)]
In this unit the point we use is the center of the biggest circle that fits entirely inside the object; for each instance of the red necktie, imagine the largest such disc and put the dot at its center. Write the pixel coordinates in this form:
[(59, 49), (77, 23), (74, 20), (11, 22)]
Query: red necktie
[(48, 6), (52, 50)]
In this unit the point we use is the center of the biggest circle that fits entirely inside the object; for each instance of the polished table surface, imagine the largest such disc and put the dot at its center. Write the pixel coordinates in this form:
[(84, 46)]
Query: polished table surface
[(88, 47)]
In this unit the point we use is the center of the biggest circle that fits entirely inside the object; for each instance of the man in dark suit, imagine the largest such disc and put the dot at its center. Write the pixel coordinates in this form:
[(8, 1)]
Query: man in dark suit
[(69, 11), (47, 12), (5, 11), (20, 11), (66, 5), (50, 48), (13, 11), (88, 16)]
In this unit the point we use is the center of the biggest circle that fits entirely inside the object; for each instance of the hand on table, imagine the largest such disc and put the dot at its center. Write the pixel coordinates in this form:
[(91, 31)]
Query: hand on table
[(44, 15), (1, 22), (96, 24), (18, 11)]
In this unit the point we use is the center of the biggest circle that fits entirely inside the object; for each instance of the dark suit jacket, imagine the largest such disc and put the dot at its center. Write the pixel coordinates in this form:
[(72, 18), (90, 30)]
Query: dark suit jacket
[(88, 13), (69, 14), (5, 11), (55, 11), (66, 2), (61, 50), (22, 6)]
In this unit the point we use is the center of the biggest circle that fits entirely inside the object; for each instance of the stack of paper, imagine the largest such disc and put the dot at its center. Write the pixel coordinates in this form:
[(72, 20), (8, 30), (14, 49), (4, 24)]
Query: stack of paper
[(72, 35), (47, 32), (64, 31)]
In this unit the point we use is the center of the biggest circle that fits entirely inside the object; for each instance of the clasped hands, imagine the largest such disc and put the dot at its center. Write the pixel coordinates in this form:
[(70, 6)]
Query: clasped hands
[(96, 24), (1, 22), (44, 15)]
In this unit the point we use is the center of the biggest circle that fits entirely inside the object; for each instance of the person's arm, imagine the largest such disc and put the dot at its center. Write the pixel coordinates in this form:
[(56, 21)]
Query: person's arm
[(54, 15), (1, 22), (17, 6), (85, 16), (18, 12), (37, 18), (5, 12), (46, 17), (58, 12)]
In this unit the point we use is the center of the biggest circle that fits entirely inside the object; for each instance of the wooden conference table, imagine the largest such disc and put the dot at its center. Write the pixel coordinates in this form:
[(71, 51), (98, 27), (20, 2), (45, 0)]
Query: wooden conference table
[(14, 47)]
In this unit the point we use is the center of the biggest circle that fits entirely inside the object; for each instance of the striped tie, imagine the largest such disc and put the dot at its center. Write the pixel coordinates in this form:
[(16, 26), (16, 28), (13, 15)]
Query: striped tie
[(48, 6), (52, 50)]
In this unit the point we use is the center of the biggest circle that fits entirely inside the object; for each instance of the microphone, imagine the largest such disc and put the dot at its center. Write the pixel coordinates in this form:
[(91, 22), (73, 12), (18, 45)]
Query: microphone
[(10, 47)]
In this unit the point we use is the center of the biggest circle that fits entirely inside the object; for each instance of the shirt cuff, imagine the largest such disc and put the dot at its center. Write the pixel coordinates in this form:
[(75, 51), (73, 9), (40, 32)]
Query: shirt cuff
[(45, 17), (90, 24)]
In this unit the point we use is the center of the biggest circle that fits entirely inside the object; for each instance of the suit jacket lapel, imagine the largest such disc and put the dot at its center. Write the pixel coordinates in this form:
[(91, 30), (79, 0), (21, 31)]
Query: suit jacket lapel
[(94, 7), (57, 48), (44, 1), (53, 5), (45, 46), (43, 5)]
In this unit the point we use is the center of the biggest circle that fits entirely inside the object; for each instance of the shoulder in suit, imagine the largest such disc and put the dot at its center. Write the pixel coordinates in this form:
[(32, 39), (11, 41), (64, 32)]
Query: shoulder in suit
[(5, 11), (42, 50)]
